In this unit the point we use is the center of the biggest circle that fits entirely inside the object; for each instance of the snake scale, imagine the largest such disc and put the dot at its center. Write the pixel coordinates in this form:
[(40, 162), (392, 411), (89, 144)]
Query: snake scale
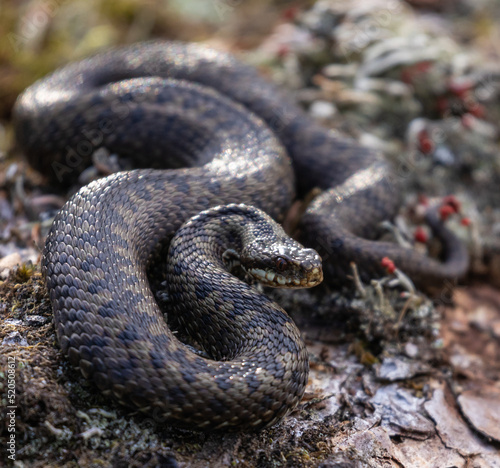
[(225, 134)]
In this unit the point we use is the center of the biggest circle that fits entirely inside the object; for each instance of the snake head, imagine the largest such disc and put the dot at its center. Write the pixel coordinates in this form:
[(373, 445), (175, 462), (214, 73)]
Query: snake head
[(283, 263)]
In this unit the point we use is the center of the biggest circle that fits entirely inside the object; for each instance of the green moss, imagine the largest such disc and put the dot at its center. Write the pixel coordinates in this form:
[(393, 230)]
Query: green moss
[(24, 272)]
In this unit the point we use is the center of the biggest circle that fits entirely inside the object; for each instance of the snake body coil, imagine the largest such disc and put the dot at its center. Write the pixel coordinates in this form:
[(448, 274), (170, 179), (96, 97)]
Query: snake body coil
[(186, 105)]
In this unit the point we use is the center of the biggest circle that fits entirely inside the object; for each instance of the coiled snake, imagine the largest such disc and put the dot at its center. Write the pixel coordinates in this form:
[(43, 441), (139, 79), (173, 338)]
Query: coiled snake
[(189, 106)]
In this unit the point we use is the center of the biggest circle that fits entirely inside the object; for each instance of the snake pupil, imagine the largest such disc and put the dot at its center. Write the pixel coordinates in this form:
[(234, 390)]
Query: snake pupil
[(281, 263)]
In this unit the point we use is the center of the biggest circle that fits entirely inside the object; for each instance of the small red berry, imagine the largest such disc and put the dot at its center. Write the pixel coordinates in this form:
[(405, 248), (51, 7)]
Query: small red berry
[(465, 222), (420, 235), (452, 202), (388, 264), (445, 211), (425, 144)]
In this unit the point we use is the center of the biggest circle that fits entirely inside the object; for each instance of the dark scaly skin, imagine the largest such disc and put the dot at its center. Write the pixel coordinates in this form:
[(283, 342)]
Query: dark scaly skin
[(106, 235), (270, 341)]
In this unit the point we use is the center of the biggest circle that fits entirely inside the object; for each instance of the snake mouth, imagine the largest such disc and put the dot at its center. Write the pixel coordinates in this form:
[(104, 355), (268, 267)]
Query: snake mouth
[(275, 280)]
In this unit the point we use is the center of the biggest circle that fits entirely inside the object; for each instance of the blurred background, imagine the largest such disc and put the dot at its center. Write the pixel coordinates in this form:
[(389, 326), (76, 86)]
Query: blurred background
[(36, 36)]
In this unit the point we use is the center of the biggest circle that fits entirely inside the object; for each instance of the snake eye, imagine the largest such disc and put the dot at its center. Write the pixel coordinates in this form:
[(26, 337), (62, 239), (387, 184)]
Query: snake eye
[(281, 263)]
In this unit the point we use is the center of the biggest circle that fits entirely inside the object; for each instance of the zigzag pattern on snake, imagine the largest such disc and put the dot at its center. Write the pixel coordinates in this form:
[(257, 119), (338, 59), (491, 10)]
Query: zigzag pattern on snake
[(226, 133)]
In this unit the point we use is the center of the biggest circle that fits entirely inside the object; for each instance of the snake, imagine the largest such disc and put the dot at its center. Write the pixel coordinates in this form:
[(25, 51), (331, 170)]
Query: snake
[(219, 153)]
